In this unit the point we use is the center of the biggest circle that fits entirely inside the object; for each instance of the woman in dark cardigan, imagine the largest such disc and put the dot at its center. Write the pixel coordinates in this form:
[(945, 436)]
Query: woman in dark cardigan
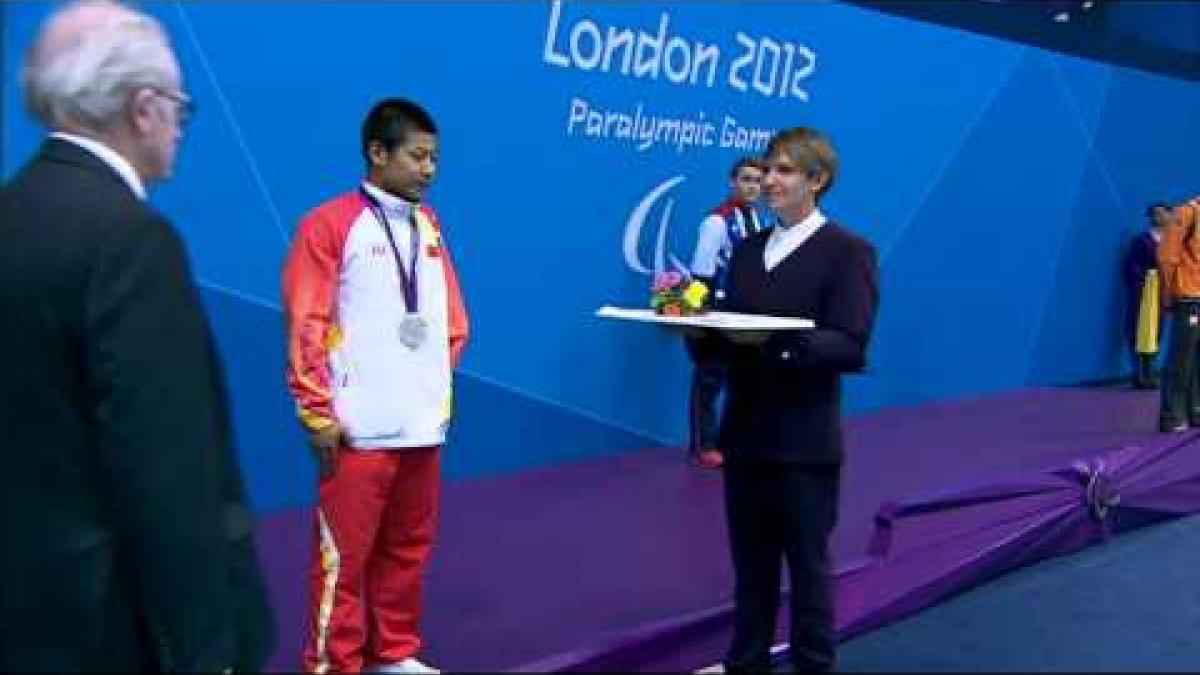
[(781, 427)]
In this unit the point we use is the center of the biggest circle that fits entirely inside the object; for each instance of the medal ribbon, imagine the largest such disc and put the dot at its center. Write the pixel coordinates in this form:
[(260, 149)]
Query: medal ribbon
[(408, 278)]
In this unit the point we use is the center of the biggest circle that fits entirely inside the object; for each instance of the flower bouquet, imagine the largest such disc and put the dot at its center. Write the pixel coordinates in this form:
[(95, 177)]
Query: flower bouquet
[(676, 293)]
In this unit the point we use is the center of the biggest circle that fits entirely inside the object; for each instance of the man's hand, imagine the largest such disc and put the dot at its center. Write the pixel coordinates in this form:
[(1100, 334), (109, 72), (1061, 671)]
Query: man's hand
[(325, 446)]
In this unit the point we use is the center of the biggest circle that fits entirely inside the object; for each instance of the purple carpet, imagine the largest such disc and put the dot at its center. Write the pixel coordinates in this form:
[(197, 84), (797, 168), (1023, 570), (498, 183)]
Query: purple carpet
[(563, 567)]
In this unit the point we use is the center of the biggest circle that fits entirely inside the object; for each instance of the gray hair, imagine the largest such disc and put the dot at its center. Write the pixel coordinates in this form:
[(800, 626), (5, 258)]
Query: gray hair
[(84, 78)]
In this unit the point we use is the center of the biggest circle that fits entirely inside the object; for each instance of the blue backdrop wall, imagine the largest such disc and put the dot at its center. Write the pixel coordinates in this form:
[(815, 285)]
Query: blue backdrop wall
[(999, 182)]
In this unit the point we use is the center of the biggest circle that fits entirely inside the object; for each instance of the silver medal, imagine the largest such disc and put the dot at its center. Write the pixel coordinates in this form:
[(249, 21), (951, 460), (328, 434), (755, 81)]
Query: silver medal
[(412, 331)]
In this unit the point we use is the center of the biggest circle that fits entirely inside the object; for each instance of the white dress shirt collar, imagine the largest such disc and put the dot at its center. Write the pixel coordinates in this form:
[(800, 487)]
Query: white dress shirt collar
[(392, 205), (785, 239), (110, 157)]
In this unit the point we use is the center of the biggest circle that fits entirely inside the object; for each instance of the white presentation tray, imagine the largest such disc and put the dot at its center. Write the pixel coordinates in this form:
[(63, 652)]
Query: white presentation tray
[(719, 320)]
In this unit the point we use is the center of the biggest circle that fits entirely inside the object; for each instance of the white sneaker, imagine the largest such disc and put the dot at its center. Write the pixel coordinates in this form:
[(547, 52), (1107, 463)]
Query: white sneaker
[(405, 667)]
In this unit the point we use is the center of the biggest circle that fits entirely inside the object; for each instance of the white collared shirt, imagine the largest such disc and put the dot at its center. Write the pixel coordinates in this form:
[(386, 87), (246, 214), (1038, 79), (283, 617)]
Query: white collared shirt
[(110, 157), (392, 205), (787, 238)]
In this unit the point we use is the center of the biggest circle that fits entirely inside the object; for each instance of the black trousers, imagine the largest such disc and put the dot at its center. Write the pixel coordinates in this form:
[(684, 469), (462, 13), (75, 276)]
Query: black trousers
[(1181, 377), (709, 377), (781, 513), (708, 380)]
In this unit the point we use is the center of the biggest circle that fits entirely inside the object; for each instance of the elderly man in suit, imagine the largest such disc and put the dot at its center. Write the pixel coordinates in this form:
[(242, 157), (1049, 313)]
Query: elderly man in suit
[(126, 541)]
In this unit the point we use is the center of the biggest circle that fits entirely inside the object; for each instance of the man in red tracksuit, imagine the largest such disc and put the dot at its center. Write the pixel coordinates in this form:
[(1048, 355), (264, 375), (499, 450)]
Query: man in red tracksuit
[(375, 325)]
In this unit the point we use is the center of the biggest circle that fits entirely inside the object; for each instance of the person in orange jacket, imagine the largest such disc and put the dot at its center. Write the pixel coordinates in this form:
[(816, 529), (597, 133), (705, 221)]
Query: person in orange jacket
[(1179, 266)]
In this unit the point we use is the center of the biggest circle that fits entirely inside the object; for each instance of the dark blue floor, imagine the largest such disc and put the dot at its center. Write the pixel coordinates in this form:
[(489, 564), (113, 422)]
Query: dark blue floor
[(1132, 604)]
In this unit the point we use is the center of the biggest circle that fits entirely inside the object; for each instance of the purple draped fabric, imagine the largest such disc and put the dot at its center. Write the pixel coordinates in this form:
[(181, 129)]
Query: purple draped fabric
[(928, 549), (925, 550)]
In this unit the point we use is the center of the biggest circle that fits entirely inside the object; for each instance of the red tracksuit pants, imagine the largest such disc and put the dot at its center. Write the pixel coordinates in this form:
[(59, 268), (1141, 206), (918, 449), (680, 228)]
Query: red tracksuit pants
[(375, 521)]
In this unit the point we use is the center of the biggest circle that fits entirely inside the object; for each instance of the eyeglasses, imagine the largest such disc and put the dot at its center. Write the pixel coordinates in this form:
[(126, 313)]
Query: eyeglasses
[(186, 107)]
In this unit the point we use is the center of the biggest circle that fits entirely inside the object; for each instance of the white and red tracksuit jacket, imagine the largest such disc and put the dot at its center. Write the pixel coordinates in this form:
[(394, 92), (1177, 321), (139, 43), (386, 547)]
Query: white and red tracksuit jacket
[(343, 305)]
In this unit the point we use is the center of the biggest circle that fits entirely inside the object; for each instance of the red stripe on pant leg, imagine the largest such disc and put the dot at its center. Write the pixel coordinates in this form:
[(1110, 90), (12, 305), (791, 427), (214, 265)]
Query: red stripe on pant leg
[(404, 542), (351, 502)]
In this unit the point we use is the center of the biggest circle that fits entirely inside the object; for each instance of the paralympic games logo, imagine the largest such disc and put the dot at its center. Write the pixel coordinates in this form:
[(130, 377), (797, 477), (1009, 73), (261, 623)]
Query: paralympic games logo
[(637, 223)]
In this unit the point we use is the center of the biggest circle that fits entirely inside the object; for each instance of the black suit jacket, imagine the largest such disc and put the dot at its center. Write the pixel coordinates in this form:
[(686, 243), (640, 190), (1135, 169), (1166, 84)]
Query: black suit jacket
[(126, 541), (784, 400)]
